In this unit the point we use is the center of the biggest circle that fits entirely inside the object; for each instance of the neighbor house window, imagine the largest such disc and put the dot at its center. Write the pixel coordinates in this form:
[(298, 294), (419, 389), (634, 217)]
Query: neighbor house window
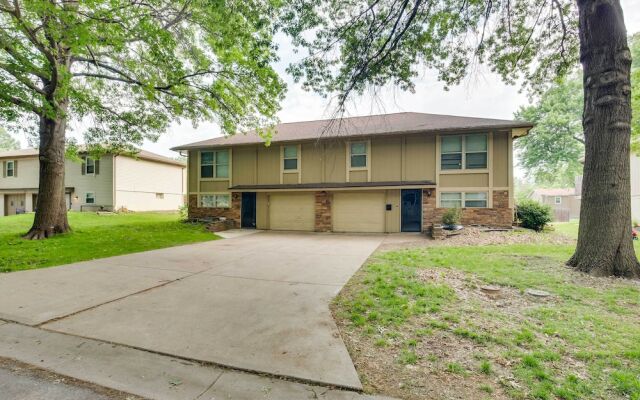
[(159, 196), (90, 166), (90, 198), (558, 200), (290, 158), (463, 152), (11, 168), (358, 153), (215, 200), (214, 164), (462, 199)]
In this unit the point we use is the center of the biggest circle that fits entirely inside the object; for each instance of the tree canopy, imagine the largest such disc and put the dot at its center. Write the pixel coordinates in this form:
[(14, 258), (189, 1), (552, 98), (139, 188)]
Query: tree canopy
[(129, 68), (7, 142), (551, 153)]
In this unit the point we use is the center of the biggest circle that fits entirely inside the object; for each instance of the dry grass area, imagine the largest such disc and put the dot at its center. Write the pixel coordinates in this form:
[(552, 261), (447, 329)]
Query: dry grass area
[(419, 325)]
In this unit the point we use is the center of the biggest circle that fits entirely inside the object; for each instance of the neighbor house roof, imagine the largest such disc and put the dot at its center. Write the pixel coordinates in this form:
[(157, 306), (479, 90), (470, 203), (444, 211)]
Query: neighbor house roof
[(142, 154), (385, 124), (555, 192)]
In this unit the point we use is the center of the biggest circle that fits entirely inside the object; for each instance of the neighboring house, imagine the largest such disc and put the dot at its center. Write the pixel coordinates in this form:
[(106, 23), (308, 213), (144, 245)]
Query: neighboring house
[(635, 188), (564, 202), (143, 182), (383, 173)]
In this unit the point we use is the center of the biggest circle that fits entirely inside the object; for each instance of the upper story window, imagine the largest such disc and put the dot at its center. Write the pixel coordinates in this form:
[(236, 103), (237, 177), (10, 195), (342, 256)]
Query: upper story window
[(89, 166), (214, 164), (290, 158), (463, 152), (358, 154), (11, 168)]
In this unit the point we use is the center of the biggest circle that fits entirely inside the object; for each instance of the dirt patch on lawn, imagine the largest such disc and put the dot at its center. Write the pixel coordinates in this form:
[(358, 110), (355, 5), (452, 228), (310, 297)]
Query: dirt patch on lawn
[(475, 236)]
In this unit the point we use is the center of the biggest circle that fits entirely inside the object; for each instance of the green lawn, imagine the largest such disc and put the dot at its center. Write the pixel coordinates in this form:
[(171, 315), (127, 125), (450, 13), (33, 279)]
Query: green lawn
[(93, 236), (418, 325), (570, 229)]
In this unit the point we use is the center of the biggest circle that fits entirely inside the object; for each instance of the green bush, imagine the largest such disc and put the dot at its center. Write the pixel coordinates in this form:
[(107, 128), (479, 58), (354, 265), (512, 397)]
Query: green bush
[(533, 215), (452, 216)]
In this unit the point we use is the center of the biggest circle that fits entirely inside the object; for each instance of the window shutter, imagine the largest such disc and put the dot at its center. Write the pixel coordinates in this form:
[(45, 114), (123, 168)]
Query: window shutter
[(84, 168), (15, 168), (4, 169), (96, 168)]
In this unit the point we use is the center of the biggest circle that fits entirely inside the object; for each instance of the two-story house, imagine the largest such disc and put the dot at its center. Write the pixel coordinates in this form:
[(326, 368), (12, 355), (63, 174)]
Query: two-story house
[(143, 182), (382, 173)]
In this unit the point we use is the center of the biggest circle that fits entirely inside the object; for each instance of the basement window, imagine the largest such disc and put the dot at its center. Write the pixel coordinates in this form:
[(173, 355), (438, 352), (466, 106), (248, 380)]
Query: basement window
[(90, 198), (215, 201)]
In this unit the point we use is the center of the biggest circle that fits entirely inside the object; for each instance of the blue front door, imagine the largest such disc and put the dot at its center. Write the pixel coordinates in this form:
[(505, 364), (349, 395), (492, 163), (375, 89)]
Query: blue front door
[(411, 210)]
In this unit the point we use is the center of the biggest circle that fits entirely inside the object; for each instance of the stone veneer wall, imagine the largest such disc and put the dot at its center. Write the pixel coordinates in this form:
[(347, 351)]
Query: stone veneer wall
[(500, 215), (232, 213), (323, 212)]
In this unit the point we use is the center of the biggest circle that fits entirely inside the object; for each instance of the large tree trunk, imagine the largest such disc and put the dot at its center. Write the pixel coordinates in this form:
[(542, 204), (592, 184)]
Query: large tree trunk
[(51, 209), (605, 244)]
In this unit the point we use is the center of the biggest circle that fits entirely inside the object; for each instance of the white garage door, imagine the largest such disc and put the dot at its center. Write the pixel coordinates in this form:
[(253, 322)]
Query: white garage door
[(292, 211), (358, 212)]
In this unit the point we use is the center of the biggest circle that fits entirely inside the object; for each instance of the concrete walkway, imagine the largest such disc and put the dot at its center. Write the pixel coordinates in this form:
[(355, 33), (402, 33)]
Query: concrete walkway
[(253, 302)]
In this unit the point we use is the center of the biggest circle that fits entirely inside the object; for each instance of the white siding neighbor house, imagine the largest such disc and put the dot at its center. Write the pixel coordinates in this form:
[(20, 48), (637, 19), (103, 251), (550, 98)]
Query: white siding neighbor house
[(144, 182)]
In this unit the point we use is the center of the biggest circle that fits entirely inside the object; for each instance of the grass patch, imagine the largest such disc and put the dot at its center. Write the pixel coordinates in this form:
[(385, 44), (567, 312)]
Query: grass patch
[(93, 236), (580, 343)]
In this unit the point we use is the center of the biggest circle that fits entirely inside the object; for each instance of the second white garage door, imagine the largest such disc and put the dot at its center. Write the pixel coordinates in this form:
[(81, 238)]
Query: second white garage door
[(292, 211), (358, 212)]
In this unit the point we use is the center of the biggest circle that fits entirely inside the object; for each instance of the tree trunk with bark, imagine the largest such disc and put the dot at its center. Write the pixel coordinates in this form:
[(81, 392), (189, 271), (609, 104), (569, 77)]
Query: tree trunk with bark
[(51, 209), (605, 244)]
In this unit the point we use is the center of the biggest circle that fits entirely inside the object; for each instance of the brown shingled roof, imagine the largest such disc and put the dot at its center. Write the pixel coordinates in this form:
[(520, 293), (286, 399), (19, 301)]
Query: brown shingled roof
[(406, 122)]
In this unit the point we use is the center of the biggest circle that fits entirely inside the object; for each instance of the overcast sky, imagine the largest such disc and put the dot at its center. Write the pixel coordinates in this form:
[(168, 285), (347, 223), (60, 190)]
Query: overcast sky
[(481, 95)]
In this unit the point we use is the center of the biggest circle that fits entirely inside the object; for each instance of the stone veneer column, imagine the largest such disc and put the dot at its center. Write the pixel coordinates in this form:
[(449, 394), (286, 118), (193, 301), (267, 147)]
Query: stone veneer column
[(428, 208), (323, 211)]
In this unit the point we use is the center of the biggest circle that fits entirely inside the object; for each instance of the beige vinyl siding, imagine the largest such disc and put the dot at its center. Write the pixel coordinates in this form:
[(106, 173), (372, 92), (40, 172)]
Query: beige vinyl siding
[(100, 184), (290, 178), (214, 186), (392, 217), (358, 176), (420, 155), (268, 165), (193, 173), (262, 210), (464, 180), (138, 183), (358, 211), (386, 159), (500, 159), (335, 165), (312, 162), (245, 165), (292, 211)]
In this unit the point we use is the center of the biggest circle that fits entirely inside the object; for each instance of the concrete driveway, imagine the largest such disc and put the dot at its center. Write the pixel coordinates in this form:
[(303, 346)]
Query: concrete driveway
[(257, 302)]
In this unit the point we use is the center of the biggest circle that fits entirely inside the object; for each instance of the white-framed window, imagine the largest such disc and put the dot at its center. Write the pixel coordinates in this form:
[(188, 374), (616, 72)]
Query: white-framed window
[(358, 154), (463, 199), (558, 200), (451, 200), (464, 152), (290, 158), (215, 200), (89, 166), (11, 168), (90, 198), (159, 196), (214, 164)]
